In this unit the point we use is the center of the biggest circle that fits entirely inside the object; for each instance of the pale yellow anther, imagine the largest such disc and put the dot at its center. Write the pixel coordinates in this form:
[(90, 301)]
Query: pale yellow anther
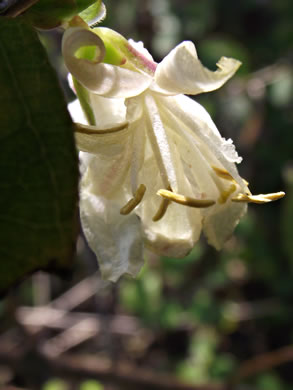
[(225, 194), (91, 130), (162, 208), (186, 200), (223, 173), (133, 202), (259, 199)]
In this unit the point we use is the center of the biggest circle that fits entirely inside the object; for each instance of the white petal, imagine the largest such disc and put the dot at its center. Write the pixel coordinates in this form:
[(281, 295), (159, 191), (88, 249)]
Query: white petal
[(76, 112), (138, 153), (220, 224), (159, 142), (108, 142), (182, 72), (106, 173), (178, 230), (139, 46), (102, 79), (108, 112), (202, 118), (115, 239), (211, 143), (197, 168)]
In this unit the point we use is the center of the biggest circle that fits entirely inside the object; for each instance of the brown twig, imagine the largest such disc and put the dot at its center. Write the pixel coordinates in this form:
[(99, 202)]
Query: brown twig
[(263, 363), (47, 317), (121, 373), (20, 7)]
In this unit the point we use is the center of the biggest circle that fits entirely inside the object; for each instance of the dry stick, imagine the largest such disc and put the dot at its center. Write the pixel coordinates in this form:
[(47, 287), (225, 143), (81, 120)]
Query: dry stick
[(77, 327), (263, 362), (79, 293), (47, 317), (81, 367), (20, 7), (121, 373)]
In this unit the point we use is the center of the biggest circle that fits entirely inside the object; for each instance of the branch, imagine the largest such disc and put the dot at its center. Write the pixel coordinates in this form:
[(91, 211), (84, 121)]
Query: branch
[(121, 373), (81, 367), (263, 362)]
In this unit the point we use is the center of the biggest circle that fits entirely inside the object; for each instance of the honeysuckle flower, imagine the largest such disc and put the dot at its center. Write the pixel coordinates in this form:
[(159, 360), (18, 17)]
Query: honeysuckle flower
[(156, 171)]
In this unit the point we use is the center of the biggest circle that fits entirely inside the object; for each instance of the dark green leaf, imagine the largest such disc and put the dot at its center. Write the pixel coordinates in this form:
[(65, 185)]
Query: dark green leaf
[(48, 14), (38, 161)]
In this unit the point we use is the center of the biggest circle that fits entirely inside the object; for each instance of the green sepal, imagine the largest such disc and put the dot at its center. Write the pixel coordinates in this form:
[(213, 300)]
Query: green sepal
[(115, 45), (94, 14)]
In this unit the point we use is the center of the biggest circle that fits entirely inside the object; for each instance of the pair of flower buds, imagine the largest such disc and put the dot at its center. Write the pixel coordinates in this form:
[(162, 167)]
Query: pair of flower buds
[(155, 170)]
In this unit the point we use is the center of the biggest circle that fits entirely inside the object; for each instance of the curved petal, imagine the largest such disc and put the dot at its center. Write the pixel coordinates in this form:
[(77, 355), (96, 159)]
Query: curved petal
[(115, 239), (220, 224), (108, 142), (182, 72), (102, 79)]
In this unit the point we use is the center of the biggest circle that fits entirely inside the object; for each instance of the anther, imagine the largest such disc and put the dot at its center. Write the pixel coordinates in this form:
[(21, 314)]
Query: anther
[(162, 208), (223, 173), (92, 130), (185, 200), (225, 194), (133, 202), (259, 199)]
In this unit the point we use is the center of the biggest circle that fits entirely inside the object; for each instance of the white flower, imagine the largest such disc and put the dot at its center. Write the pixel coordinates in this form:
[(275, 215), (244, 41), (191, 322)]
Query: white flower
[(156, 171)]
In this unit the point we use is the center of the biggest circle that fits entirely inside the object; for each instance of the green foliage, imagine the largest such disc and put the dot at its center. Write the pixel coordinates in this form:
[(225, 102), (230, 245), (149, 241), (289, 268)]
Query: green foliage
[(48, 14), (58, 384), (91, 385), (38, 161), (55, 384)]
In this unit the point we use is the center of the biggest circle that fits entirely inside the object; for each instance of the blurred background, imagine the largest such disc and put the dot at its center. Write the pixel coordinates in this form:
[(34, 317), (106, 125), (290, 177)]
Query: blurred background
[(213, 320)]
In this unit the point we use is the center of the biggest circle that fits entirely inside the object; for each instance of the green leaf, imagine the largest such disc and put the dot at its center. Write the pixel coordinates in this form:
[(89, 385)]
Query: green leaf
[(49, 14), (38, 160), (91, 385)]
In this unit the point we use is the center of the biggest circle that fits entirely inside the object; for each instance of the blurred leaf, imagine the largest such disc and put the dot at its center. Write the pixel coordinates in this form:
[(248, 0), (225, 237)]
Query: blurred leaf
[(38, 161), (91, 385), (55, 384), (223, 366), (171, 315), (213, 48), (269, 381), (280, 92)]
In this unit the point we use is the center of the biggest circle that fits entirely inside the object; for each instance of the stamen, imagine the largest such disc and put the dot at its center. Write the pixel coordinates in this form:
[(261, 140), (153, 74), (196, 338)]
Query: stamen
[(92, 130), (185, 200), (223, 173), (133, 202), (162, 208), (259, 199), (225, 194)]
